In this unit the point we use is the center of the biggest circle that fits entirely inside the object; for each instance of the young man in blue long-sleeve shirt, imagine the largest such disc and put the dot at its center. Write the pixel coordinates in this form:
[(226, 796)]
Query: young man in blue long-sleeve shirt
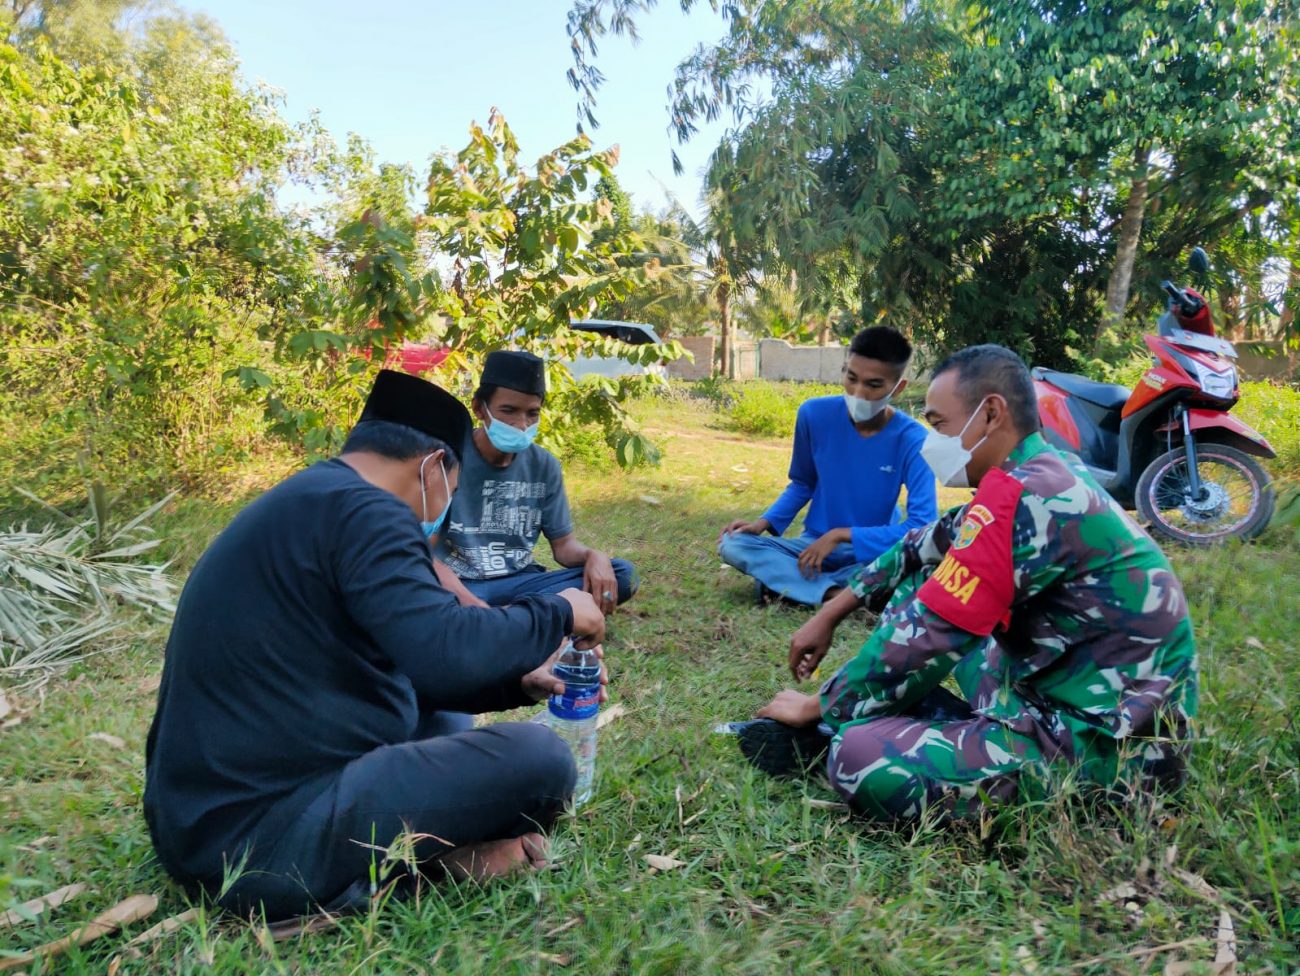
[(852, 457)]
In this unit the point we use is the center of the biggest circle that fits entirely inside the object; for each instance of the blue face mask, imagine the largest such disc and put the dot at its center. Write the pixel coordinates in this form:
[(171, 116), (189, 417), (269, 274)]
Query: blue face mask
[(430, 528), (507, 439)]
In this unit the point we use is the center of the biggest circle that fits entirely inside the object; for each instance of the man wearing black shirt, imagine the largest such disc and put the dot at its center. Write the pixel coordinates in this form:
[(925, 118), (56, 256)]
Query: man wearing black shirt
[(309, 669)]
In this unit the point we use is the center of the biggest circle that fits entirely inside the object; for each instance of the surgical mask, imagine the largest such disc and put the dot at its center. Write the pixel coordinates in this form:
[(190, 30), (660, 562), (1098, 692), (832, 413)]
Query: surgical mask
[(430, 528), (507, 439), (947, 457), (861, 410)]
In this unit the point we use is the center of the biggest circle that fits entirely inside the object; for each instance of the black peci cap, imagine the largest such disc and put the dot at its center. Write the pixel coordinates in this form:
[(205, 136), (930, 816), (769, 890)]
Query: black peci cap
[(515, 370), (401, 398)]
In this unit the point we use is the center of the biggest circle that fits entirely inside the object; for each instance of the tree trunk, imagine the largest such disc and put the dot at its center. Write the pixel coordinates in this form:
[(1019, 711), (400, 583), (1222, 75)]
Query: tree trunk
[(1230, 310), (1250, 308), (1287, 319), (1130, 232), (824, 333), (724, 325), (19, 8)]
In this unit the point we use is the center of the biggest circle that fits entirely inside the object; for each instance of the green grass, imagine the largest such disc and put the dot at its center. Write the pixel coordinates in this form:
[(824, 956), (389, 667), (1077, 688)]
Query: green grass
[(773, 882)]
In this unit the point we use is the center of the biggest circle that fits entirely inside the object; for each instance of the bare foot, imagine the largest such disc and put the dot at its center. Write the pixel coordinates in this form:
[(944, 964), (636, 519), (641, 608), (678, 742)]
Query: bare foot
[(496, 858)]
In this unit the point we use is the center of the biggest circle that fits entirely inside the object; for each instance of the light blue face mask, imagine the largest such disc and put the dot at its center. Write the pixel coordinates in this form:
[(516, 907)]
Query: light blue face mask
[(507, 439), (430, 528)]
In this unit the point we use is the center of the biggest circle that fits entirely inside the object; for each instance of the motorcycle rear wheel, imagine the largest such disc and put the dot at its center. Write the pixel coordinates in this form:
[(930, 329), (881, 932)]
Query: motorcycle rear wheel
[(1236, 498)]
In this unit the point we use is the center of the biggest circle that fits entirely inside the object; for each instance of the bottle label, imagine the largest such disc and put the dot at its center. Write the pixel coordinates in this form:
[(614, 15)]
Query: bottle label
[(578, 674), (577, 703)]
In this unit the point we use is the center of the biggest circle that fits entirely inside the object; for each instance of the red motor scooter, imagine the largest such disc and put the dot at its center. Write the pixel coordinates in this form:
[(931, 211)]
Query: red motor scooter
[(1169, 447)]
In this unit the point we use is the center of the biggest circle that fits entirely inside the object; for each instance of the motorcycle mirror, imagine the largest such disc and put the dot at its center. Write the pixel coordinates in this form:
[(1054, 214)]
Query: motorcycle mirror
[(1198, 262)]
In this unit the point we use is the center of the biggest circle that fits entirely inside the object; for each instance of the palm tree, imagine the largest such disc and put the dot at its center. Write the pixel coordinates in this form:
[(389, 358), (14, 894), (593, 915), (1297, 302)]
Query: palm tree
[(725, 267)]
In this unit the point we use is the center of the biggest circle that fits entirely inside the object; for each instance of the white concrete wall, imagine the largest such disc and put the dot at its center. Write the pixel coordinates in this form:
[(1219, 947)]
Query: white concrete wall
[(744, 359), (702, 348), (1266, 360), (770, 359), (781, 361)]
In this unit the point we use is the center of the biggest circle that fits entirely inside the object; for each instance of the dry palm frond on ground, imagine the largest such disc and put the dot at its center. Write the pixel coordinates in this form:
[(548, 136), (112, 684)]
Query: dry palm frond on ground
[(64, 586)]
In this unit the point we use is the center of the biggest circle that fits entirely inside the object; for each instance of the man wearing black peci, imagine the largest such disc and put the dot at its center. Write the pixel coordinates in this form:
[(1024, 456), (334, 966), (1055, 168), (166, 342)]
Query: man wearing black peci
[(302, 718)]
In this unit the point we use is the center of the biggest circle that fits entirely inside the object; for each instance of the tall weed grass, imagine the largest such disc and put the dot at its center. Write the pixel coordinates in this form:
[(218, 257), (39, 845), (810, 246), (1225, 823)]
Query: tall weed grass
[(769, 409), (1274, 410)]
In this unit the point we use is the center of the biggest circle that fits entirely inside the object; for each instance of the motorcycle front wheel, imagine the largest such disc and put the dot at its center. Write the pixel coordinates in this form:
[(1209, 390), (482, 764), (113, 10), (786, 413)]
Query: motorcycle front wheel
[(1236, 499)]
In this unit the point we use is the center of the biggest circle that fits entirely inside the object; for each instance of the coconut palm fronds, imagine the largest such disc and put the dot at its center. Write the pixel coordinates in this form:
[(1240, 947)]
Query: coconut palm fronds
[(64, 584)]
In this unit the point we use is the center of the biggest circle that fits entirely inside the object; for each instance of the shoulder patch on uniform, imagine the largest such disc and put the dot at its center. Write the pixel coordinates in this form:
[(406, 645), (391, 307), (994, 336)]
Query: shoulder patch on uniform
[(976, 518), (972, 588)]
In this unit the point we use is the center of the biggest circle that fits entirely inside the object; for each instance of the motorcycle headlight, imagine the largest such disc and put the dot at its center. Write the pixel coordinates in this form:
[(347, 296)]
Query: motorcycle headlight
[(1215, 384)]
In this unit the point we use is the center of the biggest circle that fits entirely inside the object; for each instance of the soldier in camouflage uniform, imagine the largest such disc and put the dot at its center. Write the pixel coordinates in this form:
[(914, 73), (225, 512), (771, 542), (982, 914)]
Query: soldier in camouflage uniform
[(1061, 622)]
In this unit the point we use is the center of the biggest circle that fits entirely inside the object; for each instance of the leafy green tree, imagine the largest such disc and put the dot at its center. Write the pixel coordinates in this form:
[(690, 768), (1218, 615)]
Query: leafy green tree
[(781, 306), (158, 304), (982, 170), (373, 288), (141, 249), (82, 31), (668, 297), (837, 173), (834, 162), (661, 257), (723, 266), (621, 219), (524, 260), (1123, 108)]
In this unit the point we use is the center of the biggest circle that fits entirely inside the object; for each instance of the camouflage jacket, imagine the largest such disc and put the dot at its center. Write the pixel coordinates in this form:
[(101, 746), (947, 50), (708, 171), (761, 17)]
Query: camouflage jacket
[(1060, 616)]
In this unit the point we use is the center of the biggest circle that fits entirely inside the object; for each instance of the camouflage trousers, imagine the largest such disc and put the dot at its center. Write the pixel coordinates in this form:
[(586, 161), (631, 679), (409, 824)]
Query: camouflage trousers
[(939, 753), (894, 767)]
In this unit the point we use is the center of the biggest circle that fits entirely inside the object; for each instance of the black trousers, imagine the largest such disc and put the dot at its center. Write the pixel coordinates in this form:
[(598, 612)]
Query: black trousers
[(459, 788)]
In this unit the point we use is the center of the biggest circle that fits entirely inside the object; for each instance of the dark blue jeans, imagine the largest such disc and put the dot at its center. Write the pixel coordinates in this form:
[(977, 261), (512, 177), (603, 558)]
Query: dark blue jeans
[(501, 590)]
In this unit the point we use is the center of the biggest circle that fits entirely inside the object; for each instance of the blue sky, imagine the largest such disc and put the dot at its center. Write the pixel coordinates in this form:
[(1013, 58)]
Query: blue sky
[(410, 76)]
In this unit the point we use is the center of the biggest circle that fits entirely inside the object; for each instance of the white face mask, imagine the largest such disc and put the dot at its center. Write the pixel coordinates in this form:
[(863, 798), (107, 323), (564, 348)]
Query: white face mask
[(862, 410), (946, 455)]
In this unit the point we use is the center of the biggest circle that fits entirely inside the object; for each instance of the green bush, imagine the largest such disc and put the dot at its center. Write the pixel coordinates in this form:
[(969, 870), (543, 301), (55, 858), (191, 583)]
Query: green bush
[(162, 312), (718, 390), (143, 253), (587, 446), (1273, 409), (769, 409)]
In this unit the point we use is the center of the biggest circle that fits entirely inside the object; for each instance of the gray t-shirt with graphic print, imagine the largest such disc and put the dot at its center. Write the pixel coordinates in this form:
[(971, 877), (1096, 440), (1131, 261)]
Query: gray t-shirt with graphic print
[(497, 513)]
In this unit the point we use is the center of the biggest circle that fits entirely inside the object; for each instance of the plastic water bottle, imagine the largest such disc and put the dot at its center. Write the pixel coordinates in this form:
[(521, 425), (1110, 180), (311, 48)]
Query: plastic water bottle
[(572, 715)]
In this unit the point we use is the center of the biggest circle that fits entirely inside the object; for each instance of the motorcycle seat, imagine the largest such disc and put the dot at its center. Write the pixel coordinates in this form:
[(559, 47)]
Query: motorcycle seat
[(1109, 396)]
